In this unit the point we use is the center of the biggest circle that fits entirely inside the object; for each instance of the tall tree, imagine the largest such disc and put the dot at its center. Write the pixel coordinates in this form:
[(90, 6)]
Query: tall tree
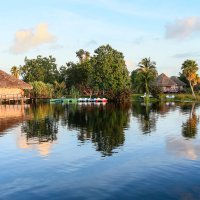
[(189, 70), (40, 69), (15, 71), (137, 85), (78, 75), (110, 73), (147, 73)]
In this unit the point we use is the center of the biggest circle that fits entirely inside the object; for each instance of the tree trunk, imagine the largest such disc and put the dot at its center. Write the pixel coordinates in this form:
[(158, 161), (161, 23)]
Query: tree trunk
[(192, 89), (147, 90)]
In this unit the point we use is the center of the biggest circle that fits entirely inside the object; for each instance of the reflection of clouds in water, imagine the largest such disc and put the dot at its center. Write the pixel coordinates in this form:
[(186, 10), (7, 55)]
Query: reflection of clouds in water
[(43, 148), (183, 148)]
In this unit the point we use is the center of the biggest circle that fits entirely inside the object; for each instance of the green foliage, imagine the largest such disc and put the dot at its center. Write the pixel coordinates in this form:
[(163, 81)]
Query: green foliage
[(41, 90), (74, 92), (146, 74), (110, 72), (184, 79), (103, 74), (189, 70), (59, 89), (156, 91), (83, 55), (78, 75), (137, 85), (40, 69)]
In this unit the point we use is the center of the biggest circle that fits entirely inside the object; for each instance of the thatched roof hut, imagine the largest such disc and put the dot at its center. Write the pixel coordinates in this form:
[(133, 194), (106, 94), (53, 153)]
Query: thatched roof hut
[(171, 85), (177, 81), (8, 81), (163, 81)]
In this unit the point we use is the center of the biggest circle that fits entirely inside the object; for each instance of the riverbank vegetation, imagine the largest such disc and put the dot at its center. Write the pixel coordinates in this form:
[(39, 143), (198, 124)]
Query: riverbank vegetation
[(103, 74)]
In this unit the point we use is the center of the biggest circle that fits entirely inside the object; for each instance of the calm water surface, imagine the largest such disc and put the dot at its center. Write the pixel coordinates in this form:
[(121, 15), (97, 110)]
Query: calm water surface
[(107, 151)]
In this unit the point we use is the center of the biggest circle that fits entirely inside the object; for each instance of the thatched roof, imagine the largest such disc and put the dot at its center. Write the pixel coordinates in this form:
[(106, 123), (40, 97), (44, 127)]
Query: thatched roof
[(162, 80), (177, 81), (8, 81)]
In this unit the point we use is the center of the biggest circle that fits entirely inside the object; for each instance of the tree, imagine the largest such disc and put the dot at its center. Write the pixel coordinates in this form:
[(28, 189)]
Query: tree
[(83, 55), (59, 89), (78, 75), (137, 85), (15, 71), (40, 69), (110, 73), (147, 73), (189, 70), (41, 89)]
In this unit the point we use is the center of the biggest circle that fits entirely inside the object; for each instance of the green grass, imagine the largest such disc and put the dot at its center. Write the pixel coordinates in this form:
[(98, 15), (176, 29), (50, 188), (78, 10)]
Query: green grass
[(177, 97)]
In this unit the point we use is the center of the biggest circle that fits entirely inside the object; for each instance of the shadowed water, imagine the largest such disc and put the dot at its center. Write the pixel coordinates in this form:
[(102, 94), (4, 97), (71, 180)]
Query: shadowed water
[(95, 151)]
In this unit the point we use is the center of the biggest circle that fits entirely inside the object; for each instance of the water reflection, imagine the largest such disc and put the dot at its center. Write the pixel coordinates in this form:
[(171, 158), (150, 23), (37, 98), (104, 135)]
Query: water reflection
[(183, 148), (11, 116), (146, 116), (40, 130), (103, 125), (189, 128)]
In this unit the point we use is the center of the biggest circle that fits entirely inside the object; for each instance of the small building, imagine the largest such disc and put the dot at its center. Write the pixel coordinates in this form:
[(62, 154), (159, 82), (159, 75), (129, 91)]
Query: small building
[(180, 84), (169, 85), (11, 87)]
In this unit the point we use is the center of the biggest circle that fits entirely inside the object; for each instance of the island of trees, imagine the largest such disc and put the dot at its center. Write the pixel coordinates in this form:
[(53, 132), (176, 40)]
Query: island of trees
[(102, 74)]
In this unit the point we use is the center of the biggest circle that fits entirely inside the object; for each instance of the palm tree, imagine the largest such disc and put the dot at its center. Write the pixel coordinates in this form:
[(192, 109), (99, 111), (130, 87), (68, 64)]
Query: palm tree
[(15, 71), (87, 55), (189, 69), (80, 54), (147, 73), (83, 55)]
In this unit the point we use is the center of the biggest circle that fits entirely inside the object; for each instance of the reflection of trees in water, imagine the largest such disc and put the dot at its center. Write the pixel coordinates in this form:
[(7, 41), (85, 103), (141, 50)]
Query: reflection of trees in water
[(44, 130), (146, 116), (189, 128), (43, 125), (104, 125)]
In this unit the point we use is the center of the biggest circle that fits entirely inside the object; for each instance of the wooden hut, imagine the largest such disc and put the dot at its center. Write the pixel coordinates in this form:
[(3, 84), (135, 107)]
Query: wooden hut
[(166, 83), (12, 88), (180, 84)]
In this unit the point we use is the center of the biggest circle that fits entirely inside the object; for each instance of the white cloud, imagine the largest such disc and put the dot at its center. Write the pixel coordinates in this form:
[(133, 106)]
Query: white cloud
[(186, 55), (183, 28), (30, 38), (183, 148)]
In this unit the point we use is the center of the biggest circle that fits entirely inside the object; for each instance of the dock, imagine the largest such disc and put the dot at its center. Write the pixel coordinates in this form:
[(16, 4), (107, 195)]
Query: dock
[(13, 99)]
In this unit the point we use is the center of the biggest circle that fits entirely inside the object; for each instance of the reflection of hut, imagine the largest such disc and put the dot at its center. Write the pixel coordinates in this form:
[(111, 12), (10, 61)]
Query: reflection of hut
[(43, 148), (169, 84), (180, 84), (10, 116), (11, 87)]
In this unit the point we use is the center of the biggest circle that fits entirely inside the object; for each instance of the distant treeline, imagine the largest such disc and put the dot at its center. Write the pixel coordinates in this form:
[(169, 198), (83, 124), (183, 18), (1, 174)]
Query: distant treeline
[(102, 74)]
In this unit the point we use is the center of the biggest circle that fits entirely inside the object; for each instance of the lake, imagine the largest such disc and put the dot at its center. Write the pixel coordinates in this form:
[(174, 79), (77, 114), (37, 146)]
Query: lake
[(100, 151)]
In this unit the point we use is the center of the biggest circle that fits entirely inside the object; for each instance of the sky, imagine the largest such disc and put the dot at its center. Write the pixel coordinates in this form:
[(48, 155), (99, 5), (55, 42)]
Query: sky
[(167, 31)]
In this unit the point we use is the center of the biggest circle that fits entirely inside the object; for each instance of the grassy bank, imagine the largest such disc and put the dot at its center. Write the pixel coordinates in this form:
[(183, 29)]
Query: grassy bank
[(177, 97)]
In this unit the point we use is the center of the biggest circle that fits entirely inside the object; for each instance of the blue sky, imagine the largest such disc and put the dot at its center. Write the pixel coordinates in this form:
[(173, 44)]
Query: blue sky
[(166, 31)]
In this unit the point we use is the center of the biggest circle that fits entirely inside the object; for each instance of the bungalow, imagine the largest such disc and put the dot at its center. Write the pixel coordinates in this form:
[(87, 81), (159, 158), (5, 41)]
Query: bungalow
[(171, 85), (11, 87), (180, 84)]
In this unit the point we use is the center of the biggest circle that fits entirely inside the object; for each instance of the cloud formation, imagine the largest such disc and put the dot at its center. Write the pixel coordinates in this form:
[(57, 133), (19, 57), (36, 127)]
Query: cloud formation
[(183, 28), (31, 38), (186, 55), (91, 43)]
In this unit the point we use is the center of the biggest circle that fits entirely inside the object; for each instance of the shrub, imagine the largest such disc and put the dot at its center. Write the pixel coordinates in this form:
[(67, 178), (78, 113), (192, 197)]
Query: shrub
[(156, 91)]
